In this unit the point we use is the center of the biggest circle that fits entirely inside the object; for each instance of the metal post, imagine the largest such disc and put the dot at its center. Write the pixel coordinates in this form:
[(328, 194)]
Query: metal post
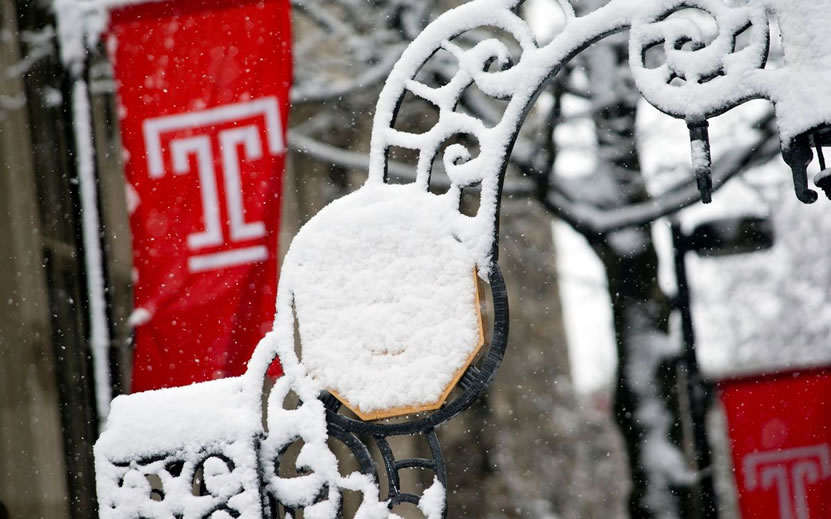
[(698, 391)]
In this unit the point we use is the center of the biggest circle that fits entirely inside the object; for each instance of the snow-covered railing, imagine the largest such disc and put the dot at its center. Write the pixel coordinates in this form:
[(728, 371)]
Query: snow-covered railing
[(383, 285)]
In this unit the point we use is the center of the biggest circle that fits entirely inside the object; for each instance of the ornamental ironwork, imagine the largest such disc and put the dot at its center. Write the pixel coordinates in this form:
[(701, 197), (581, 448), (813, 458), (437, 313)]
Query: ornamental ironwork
[(216, 449)]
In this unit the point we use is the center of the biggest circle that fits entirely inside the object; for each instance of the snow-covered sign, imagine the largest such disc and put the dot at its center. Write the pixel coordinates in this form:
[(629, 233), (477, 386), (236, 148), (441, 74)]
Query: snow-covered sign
[(386, 299)]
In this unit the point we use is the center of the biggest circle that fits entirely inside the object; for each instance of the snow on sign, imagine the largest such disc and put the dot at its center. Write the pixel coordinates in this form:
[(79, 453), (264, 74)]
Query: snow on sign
[(780, 437), (203, 93), (389, 315)]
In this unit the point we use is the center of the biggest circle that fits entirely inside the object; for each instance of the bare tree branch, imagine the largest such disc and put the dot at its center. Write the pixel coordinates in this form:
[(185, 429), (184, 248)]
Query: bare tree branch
[(348, 46), (318, 92), (360, 161), (591, 220)]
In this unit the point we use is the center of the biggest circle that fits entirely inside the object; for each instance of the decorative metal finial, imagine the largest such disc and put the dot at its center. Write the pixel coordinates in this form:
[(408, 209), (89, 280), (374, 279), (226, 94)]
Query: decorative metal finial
[(701, 163)]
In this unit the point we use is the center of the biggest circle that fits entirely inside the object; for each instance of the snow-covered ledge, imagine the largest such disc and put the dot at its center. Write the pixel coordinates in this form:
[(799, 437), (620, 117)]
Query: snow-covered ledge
[(383, 284)]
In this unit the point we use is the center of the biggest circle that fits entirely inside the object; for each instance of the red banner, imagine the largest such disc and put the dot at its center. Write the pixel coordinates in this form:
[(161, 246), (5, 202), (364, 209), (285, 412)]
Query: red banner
[(203, 91), (780, 436)]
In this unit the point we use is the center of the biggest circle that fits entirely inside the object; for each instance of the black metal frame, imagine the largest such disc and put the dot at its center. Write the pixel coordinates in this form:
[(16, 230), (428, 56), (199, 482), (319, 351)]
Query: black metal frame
[(699, 392)]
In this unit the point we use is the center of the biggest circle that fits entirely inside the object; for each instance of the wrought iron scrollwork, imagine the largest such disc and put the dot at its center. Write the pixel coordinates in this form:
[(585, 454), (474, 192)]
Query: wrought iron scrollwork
[(702, 74), (700, 77), (704, 71), (202, 485), (488, 65)]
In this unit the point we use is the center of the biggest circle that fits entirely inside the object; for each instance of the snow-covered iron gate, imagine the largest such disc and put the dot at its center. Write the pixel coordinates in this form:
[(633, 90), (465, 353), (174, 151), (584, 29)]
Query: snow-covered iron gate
[(391, 332)]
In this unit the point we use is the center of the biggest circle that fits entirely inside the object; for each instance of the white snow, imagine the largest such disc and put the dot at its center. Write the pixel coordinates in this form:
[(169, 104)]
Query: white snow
[(692, 99), (518, 82), (385, 297), (148, 431), (700, 153), (307, 423), (188, 415), (99, 337), (801, 88), (798, 89), (138, 317), (432, 501)]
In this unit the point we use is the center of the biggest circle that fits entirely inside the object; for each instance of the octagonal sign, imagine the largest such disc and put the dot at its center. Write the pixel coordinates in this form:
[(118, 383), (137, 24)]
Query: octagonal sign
[(386, 300)]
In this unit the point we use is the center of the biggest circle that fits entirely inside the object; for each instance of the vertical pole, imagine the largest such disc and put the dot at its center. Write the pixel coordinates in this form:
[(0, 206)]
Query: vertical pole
[(70, 18), (697, 391)]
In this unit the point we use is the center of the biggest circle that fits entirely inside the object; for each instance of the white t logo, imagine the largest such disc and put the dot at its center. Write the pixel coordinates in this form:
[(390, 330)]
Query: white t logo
[(246, 136), (789, 471)]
